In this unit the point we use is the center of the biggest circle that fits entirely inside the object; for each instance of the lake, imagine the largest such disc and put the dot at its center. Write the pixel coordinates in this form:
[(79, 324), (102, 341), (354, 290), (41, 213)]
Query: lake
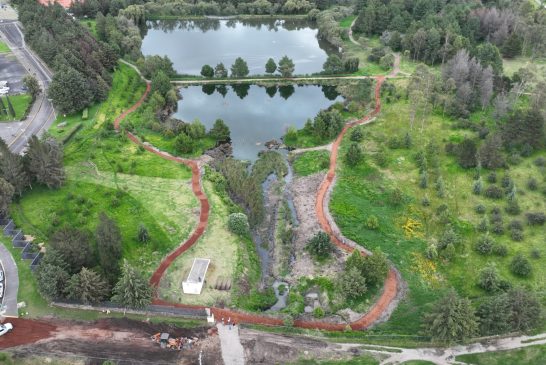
[(254, 114), (190, 44)]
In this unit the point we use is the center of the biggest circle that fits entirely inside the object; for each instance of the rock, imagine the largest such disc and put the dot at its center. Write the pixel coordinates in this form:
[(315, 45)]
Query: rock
[(61, 125), (308, 309), (273, 144), (311, 295), (316, 304)]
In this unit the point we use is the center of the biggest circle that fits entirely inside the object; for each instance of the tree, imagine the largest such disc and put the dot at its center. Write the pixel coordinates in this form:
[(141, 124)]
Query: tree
[(207, 71), (239, 68), (493, 314), (51, 280), (184, 143), (6, 194), (220, 131), (132, 290), (333, 65), (238, 224), (143, 235), (161, 83), (375, 268), (12, 169), (45, 161), (451, 319), (87, 287), (286, 67), (32, 85), (108, 238), (10, 107), (488, 55), (69, 90), (466, 153), (351, 283), (525, 309), (220, 71), (270, 66), (489, 279), (150, 65), (387, 61), (320, 245), (196, 129), (73, 245), (491, 152), (353, 155), (520, 266), (350, 64)]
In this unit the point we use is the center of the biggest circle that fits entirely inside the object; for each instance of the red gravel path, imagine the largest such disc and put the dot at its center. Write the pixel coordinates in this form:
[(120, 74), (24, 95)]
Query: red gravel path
[(391, 283), (25, 331)]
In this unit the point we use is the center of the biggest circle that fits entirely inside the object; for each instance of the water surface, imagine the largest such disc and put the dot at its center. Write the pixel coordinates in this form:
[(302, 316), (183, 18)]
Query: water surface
[(190, 44), (253, 113)]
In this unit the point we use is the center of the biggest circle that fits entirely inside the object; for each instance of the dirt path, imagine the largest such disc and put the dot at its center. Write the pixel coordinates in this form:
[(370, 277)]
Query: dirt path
[(325, 147), (232, 350), (351, 32)]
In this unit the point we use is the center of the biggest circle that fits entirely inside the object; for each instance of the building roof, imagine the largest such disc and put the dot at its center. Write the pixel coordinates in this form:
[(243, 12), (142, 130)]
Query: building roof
[(198, 271), (64, 3)]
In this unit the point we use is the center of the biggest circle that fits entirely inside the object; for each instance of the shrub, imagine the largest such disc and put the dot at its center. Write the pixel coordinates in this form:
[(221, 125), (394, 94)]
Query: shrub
[(493, 192), (492, 178), (516, 234), (356, 135), (396, 197), (352, 284), (532, 184), (540, 161), (448, 253), (238, 224), (320, 245), (484, 245), (535, 253), (353, 155), (480, 209), (515, 225), (449, 237), (143, 234), (498, 228), (440, 187), (489, 279), (477, 187), (500, 250), (482, 226), (372, 222), (520, 266), (423, 180), (536, 218), (512, 207), (425, 201), (431, 252), (506, 181), (318, 312)]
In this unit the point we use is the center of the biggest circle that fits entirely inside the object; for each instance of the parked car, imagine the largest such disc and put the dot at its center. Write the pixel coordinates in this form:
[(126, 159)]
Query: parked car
[(1, 275), (5, 328), (1, 290)]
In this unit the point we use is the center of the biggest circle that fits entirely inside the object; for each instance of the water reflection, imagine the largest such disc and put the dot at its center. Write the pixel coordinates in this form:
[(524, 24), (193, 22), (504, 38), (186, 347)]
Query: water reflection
[(253, 113), (190, 44)]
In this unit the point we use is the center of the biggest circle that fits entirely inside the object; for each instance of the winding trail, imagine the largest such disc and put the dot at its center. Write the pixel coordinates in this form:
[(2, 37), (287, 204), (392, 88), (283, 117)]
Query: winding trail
[(390, 290)]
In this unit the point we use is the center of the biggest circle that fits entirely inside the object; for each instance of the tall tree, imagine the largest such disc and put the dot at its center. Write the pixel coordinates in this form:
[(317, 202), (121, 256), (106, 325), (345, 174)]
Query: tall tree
[(12, 169), (132, 290), (108, 238), (239, 68), (220, 71), (452, 319), (69, 90), (45, 161), (87, 287), (6, 194), (73, 245), (286, 67), (270, 66), (32, 85), (207, 71)]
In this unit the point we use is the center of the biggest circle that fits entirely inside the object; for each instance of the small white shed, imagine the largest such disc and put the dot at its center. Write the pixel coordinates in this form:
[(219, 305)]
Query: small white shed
[(196, 278)]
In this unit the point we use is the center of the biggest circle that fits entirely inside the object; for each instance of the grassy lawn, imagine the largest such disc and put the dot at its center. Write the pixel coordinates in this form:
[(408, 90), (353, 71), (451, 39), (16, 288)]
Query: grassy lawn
[(366, 190), (217, 244), (106, 172), (91, 25), (20, 104), (4, 47), (311, 162), (510, 66), (358, 360), (524, 356), (346, 22)]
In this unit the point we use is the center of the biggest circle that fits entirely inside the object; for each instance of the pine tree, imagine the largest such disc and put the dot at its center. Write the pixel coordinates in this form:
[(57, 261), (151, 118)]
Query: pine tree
[(286, 67), (270, 66), (353, 155), (88, 287), (6, 194), (108, 238), (239, 68), (132, 290), (13, 170), (45, 162)]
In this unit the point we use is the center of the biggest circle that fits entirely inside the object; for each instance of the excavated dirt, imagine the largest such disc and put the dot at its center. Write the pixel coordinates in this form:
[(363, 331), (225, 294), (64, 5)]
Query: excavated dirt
[(304, 190), (121, 340), (268, 348)]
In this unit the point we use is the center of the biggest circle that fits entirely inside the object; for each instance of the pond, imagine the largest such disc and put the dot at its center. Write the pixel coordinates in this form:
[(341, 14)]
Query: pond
[(190, 44), (254, 114)]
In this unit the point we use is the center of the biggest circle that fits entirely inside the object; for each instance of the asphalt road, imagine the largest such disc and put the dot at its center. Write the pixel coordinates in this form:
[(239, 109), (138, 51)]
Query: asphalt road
[(11, 283), (42, 113)]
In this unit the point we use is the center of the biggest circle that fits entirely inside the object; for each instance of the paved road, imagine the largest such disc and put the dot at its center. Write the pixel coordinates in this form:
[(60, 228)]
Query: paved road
[(11, 283), (42, 113)]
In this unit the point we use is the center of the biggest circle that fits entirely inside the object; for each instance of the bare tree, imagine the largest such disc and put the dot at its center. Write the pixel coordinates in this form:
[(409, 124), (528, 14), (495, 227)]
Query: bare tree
[(486, 86)]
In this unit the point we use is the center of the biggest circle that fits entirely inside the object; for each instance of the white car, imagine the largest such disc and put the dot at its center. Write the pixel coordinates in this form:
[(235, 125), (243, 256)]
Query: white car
[(5, 328), (1, 275), (1, 290)]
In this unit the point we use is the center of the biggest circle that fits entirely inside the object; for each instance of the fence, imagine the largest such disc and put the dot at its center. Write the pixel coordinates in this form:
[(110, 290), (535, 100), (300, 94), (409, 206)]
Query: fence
[(17, 237)]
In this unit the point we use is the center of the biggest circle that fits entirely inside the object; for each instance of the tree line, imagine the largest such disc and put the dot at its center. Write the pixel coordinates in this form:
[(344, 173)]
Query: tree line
[(81, 64)]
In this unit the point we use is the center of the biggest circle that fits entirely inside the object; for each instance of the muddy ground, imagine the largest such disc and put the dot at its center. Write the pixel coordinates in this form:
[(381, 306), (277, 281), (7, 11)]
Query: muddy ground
[(269, 349), (122, 341)]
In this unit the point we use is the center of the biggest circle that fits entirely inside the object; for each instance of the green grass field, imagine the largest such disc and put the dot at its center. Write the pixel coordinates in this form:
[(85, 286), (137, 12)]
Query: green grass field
[(4, 47), (311, 162), (346, 22), (366, 190), (91, 25), (532, 355), (20, 104)]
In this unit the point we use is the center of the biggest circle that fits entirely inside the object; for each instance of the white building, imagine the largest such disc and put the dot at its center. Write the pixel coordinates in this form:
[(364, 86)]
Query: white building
[(196, 278)]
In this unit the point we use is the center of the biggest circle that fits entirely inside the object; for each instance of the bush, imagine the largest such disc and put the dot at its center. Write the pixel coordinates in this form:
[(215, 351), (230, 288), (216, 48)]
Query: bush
[(484, 245), (396, 197), (498, 228), (320, 245), (238, 224), (500, 250), (482, 226), (318, 312), (535, 253), (532, 184), (520, 266), (143, 234), (540, 162), (494, 192), (535, 219), (425, 201), (372, 222), (492, 178), (477, 187), (480, 209), (356, 135), (516, 234), (489, 279), (353, 155), (512, 207), (352, 284)]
